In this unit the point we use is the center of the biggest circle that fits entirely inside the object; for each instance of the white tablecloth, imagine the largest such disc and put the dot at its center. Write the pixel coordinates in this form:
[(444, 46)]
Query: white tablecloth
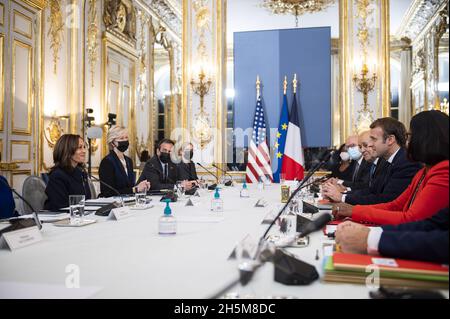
[(128, 259)]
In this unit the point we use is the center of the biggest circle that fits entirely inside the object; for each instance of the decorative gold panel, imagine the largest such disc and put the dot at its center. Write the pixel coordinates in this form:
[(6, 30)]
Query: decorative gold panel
[(2, 14), (2, 100), (22, 24), (17, 91), (16, 151), (1, 150), (114, 97), (18, 176), (125, 117)]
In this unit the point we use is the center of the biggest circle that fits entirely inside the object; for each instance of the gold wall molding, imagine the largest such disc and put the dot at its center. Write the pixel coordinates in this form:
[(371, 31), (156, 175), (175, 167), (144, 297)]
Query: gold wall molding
[(55, 29), (29, 100), (204, 42), (37, 4), (28, 152), (2, 80), (368, 43), (26, 33), (119, 17), (92, 34)]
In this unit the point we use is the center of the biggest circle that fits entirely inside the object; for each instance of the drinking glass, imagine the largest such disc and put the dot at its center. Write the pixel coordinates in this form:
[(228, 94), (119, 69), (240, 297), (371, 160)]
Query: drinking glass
[(141, 198), (180, 189), (76, 203)]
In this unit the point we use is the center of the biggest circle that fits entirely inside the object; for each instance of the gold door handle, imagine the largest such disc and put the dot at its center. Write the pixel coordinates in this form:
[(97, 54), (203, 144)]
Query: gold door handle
[(8, 166)]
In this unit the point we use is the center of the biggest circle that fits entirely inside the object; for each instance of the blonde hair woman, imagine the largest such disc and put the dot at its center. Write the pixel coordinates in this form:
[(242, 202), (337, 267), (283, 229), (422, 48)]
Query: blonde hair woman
[(116, 169)]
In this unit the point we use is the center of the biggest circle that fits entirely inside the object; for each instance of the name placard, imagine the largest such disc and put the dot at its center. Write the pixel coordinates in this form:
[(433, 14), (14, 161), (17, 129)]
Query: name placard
[(192, 202), (261, 203), (22, 237), (120, 213)]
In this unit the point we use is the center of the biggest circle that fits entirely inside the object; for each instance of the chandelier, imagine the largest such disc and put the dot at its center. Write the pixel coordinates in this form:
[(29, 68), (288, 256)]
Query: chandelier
[(296, 7)]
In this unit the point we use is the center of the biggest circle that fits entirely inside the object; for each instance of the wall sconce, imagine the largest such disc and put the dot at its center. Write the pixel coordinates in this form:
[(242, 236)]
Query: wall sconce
[(201, 128), (54, 130), (365, 85)]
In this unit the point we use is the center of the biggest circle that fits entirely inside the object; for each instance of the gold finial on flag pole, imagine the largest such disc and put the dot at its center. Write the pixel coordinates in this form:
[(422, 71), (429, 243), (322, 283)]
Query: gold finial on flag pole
[(258, 86), (294, 83), (285, 85)]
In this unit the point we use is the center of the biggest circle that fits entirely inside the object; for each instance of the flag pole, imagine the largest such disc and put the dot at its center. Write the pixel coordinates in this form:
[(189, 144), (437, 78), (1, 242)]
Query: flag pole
[(258, 87), (294, 83), (285, 84)]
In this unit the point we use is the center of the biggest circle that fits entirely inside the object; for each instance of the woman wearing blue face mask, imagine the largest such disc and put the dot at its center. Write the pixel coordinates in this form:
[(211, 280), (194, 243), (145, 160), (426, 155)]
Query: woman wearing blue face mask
[(116, 169)]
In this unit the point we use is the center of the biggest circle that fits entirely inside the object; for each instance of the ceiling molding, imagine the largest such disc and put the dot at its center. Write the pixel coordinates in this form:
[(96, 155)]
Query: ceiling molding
[(418, 17)]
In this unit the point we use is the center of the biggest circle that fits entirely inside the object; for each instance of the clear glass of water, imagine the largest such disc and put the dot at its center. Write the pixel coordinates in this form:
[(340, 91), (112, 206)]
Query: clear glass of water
[(76, 203), (141, 199)]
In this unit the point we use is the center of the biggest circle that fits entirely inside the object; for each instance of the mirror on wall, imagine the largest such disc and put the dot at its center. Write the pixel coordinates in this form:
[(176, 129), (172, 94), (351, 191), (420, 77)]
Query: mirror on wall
[(443, 56), (162, 85)]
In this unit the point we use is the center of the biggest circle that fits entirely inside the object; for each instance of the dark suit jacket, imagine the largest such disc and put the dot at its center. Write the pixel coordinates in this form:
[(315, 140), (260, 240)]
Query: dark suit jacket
[(61, 184), (362, 176), (426, 240), (186, 171), (111, 172), (390, 182), (7, 204), (153, 173)]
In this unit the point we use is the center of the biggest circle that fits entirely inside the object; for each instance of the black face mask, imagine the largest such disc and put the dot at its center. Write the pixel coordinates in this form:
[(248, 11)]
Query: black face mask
[(123, 146), (188, 155), (164, 157)]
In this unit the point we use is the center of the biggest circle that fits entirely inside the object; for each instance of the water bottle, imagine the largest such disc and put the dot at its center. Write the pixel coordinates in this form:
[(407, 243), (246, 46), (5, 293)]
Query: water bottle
[(260, 184), (216, 202), (244, 190), (167, 222)]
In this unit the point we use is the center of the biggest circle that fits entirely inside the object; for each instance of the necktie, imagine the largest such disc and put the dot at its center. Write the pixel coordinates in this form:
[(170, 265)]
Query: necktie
[(355, 172), (165, 172), (372, 173)]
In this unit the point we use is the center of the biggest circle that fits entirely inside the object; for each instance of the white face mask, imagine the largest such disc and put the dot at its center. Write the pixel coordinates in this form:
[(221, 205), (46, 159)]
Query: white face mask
[(344, 156), (355, 153)]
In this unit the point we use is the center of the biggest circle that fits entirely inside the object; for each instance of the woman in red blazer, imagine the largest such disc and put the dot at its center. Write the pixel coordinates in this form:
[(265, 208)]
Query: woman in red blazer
[(429, 190)]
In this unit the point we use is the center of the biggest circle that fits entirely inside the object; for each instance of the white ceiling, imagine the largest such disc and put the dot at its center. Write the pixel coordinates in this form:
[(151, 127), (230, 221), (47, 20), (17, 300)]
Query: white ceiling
[(247, 15)]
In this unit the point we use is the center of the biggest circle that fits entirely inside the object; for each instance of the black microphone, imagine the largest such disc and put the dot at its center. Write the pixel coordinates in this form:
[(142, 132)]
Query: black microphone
[(230, 182), (213, 186), (315, 225)]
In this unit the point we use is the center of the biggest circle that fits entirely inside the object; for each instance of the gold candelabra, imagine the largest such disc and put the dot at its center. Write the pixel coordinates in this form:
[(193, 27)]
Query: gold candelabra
[(202, 128), (365, 85)]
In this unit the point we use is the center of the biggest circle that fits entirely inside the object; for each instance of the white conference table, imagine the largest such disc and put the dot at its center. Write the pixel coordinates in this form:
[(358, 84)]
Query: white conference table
[(128, 259)]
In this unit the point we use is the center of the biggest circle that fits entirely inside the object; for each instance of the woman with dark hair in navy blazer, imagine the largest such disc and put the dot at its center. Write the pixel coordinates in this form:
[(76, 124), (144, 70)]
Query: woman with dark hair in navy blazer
[(116, 169), (68, 176)]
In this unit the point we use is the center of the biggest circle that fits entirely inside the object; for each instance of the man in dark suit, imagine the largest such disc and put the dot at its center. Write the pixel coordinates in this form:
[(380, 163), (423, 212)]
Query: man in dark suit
[(426, 240), (160, 171), (388, 139)]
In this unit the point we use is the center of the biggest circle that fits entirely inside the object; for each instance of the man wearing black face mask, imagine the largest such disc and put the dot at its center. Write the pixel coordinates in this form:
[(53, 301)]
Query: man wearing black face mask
[(186, 168), (160, 171), (116, 169)]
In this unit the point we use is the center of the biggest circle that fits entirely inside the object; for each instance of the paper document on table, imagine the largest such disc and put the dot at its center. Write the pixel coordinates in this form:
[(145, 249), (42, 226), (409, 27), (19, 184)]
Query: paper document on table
[(18, 290), (200, 219), (53, 218)]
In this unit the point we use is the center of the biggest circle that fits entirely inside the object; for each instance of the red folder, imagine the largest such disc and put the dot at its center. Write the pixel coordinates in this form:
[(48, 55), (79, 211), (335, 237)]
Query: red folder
[(343, 261)]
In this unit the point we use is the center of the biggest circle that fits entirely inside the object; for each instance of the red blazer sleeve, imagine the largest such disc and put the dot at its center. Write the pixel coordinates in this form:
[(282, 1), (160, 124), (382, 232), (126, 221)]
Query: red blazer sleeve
[(430, 199)]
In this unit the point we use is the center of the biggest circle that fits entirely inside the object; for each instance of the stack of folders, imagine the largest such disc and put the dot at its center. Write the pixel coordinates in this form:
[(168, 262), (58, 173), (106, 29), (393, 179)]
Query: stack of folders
[(353, 268)]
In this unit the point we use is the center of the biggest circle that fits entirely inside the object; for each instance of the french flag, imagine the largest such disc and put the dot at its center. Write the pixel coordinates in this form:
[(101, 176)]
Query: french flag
[(293, 159)]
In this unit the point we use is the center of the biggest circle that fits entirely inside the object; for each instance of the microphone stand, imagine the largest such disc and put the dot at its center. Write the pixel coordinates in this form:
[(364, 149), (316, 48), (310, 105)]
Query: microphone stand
[(247, 269), (246, 274), (38, 222), (107, 185), (217, 178), (230, 182)]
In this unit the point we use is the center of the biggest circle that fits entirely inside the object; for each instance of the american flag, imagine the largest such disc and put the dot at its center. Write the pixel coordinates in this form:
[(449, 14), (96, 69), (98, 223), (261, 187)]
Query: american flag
[(258, 153)]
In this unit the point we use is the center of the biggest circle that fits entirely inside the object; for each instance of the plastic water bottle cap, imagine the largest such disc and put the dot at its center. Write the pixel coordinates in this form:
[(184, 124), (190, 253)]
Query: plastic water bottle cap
[(167, 209), (244, 185), (216, 194)]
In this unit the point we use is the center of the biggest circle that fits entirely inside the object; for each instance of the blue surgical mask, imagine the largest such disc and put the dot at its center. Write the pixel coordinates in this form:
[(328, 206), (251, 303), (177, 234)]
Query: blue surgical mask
[(355, 153)]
